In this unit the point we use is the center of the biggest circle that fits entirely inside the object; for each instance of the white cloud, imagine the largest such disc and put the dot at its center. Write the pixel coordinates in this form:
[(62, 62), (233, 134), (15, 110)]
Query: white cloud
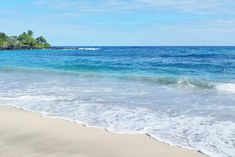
[(184, 6), (193, 6)]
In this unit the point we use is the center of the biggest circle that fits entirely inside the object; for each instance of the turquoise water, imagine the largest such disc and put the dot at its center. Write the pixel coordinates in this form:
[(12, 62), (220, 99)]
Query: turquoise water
[(184, 96)]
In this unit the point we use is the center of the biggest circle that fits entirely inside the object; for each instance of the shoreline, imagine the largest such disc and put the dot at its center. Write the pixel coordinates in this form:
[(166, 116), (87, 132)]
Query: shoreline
[(52, 48), (28, 134)]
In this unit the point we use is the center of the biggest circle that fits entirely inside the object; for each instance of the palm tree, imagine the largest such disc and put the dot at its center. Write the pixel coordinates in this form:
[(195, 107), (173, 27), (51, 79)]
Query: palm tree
[(30, 33), (41, 40)]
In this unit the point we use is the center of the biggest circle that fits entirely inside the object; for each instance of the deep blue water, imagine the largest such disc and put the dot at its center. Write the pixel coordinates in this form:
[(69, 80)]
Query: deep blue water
[(180, 95), (202, 63)]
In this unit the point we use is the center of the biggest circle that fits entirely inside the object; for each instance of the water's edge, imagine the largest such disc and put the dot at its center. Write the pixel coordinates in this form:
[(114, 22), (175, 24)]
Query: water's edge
[(42, 115)]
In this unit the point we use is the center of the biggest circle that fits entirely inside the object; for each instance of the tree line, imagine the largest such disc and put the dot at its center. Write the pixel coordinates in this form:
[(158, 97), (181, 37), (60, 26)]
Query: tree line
[(23, 41)]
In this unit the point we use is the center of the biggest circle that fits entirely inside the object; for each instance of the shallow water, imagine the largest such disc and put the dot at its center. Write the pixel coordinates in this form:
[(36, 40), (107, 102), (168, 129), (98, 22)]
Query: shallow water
[(181, 95)]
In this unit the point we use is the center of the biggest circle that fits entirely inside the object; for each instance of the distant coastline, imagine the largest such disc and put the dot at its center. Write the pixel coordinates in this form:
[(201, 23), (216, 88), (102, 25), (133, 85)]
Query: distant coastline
[(53, 48), (23, 41), (90, 48)]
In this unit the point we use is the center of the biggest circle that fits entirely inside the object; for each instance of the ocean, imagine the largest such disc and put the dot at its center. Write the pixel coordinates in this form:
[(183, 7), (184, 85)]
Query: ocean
[(182, 96)]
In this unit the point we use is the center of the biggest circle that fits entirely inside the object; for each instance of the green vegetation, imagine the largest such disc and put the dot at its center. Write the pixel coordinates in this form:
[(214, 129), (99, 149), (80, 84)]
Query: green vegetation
[(23, 41)]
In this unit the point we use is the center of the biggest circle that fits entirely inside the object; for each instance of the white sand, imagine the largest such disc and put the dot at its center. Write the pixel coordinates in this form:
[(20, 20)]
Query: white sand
[(26, 134)]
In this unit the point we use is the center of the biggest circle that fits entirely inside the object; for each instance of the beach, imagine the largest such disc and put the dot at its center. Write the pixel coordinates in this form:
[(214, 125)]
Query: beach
[(30, 135), (181, 96)]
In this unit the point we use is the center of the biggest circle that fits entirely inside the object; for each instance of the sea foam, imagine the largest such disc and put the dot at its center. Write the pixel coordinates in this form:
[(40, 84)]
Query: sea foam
[(226, 87), (196, 119)]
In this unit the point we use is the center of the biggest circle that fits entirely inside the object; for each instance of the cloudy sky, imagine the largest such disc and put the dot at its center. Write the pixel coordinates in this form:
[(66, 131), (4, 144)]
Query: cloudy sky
[(123, 22)]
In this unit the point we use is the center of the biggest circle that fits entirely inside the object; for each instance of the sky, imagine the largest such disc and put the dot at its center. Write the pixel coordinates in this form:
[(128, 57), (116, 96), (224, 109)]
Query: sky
[(123, 22)]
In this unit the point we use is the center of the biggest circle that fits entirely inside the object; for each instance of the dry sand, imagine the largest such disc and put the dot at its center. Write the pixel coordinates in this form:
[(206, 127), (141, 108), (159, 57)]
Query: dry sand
[(26, 134)]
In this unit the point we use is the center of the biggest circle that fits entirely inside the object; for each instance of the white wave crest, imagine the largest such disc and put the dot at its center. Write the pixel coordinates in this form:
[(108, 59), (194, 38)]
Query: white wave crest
[(184, 82), (82, 49), (226, 87), (88, 49)]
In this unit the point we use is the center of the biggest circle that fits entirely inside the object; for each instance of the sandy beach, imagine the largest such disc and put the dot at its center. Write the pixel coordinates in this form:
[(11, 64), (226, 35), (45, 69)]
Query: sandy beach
[(28, 134)]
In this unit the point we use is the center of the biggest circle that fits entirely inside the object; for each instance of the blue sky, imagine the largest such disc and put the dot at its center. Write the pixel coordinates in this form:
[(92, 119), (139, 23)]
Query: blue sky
[(122, 22)]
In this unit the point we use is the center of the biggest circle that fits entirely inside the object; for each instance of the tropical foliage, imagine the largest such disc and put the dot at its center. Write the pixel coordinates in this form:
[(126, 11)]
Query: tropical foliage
[(23, 41)]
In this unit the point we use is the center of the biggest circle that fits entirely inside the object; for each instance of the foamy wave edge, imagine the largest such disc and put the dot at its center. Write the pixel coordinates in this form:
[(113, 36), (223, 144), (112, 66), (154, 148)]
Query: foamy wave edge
[(226, 87), (48, 115), (83, 49)]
